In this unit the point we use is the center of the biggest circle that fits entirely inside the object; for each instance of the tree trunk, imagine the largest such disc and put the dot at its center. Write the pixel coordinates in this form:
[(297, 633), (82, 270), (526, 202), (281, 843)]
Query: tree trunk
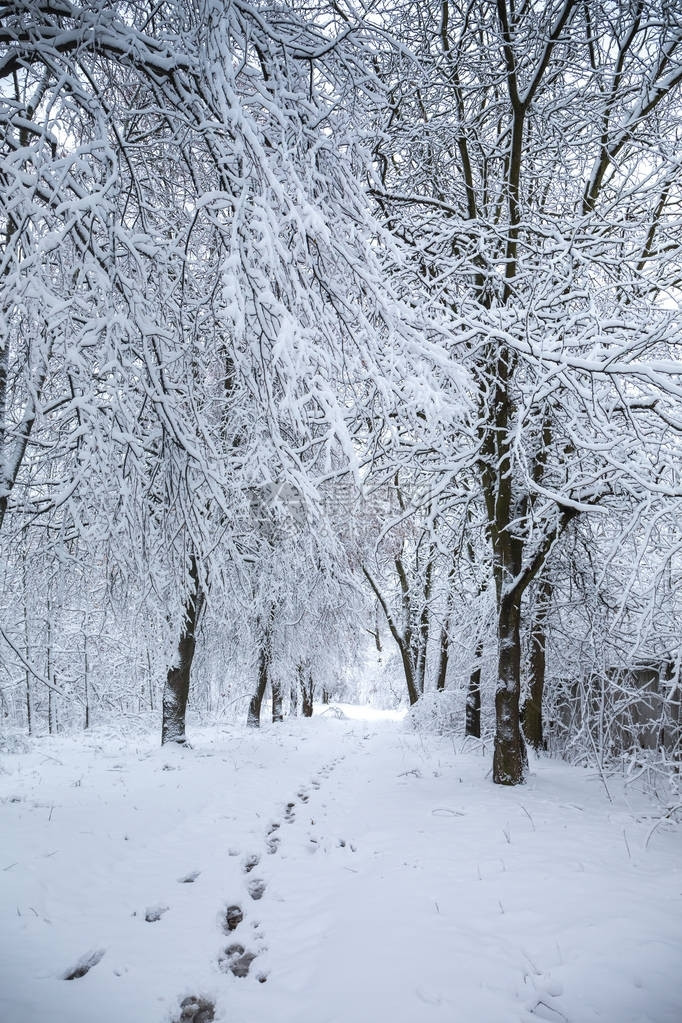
[(27, 647), (424, 627), (276, 688), (176, 689), (150, 680), (403, 638), (306, 694), (29, 709), (412, 693), (51, 724), (253, 716), (510, 759), (293, 694), (531, 714), (444, 645), (443, 657), (408, 668), (264, 658), (86, 672), (473, 704)]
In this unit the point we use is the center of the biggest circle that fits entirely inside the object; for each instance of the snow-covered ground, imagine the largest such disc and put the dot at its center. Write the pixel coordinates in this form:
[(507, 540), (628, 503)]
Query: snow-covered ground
[(398, 883)]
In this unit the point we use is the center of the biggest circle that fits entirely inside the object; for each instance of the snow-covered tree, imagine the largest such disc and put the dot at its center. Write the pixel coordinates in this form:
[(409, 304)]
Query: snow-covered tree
[(530, 157), (191, 285)]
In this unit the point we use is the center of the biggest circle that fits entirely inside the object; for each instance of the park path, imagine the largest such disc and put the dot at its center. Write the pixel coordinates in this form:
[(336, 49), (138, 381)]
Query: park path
[(328, 870)]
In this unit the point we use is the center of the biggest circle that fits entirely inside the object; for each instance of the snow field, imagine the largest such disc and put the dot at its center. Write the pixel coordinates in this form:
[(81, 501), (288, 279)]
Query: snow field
[(394, 882)]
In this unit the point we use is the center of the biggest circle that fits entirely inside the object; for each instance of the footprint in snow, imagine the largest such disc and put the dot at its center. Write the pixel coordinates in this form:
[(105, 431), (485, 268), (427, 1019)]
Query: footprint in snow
[(257, 888), (153, 914), (272, 839), (235, 960), (84, 964), (289, 814), (194, 1009), (189, 878), (250, 861), (233, 918)]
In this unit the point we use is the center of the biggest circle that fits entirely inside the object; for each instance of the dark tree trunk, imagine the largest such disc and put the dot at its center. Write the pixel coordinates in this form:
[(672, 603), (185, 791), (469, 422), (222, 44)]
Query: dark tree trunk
[(29, 709), (150, 680), (27, 647), (176, 689), (473, 704), (510, 759), (264, 659), (502, 506), (532, 709), (424, 627), (50, 677), (419, 661), (306, 693), (443, 657), (276, 688), (86, 680), (293, 695), (253, 717), (408, 668)]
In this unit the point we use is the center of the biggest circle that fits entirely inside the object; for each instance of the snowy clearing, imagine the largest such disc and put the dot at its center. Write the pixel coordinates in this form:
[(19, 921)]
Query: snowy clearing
[(370, 874)]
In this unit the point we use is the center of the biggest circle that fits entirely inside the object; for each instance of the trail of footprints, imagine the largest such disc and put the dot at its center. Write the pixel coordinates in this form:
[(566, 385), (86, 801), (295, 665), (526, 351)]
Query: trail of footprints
[(235, 958)]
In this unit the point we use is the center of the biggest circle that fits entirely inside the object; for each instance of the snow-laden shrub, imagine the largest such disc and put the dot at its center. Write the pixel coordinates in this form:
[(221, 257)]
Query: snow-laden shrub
[(622, 721), (12, 742), (439, 712)]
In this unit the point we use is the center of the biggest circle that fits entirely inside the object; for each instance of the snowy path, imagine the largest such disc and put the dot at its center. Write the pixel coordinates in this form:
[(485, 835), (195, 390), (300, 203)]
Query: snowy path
[(368, 874)]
